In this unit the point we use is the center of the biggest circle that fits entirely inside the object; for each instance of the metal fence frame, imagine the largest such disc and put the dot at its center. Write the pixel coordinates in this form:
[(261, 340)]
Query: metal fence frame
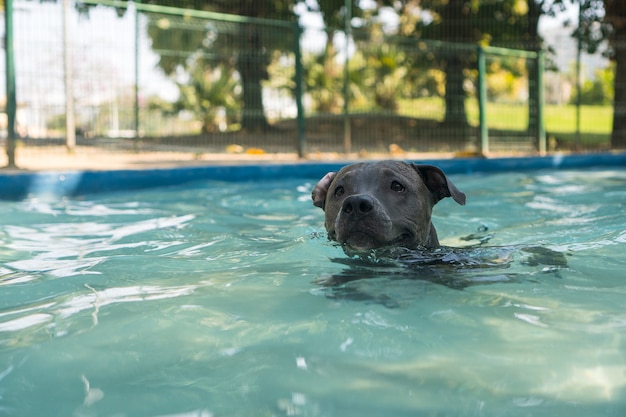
[(300, 143)]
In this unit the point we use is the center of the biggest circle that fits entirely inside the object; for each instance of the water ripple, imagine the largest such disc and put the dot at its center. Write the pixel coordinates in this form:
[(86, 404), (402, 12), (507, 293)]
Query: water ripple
[(58, 311), (67, 249), (25, 322)]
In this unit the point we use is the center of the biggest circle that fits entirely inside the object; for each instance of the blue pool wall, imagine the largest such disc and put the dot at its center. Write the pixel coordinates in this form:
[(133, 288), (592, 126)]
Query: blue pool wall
[(54, 184)]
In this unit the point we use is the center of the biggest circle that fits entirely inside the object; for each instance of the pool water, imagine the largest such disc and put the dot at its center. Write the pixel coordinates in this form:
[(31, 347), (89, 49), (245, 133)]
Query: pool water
[(226, 299)]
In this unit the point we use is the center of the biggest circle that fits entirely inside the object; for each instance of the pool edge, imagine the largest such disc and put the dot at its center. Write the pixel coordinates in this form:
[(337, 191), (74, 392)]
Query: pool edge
[(21, 184)]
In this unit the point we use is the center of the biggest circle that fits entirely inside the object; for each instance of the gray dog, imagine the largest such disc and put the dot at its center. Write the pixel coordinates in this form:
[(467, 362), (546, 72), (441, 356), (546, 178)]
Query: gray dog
[(374, 205)]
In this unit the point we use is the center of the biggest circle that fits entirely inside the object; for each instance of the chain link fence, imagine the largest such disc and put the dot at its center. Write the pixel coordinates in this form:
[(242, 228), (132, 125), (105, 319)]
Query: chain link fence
[(144, 78)]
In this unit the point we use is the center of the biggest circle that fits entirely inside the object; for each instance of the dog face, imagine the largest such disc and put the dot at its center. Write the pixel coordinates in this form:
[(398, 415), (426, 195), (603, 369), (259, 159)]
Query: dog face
[(372, 205)]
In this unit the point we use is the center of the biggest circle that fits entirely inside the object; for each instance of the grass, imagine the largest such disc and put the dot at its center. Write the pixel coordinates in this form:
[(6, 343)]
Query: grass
[(560, 121), (593, 119)]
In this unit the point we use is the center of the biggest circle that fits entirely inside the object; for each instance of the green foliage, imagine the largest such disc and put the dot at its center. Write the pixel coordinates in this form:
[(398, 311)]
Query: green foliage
[(56, 122), (333, 11), (244, 50), (506, 79), (211, 95), (388, 66), (593, 29), (323, 77), (175, 40), (597, 91)]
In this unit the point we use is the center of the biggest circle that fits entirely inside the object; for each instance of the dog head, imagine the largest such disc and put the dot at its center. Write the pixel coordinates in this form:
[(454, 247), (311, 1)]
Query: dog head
[(371, 205)]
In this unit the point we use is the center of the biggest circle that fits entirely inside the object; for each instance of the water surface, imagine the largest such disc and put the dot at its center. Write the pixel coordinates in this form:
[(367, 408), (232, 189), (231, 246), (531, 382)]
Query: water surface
[(219, 299)]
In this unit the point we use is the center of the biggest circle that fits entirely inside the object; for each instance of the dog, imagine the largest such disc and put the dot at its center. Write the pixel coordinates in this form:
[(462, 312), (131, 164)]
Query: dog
[(373, 205)]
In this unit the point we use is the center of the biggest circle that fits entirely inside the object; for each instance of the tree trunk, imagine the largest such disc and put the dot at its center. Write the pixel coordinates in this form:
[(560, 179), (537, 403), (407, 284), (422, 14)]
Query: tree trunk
[(252, 68), (616, 16), (455, 92), (533, 42), (457, 28), (253, 115)]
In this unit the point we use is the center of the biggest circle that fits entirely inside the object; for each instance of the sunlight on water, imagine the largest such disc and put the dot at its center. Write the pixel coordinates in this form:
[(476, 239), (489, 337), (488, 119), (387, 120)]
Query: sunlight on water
[(227, 299)]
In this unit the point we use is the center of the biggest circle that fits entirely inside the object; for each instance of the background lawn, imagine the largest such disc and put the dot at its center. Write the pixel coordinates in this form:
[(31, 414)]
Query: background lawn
[(595, 121)]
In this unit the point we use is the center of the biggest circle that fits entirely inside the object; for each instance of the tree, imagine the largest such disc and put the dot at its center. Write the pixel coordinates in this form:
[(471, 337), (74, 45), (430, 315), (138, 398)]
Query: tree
[(596, 91), (461, 23), (207, 93), (455, 17), (452, 21), (522, 32), (601, 21), (323, 74), (323, 79), (616, 18), (506, 23), (253, 45)]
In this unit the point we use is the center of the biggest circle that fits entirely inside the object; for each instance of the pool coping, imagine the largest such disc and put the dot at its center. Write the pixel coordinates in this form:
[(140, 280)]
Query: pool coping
[(72, 183)]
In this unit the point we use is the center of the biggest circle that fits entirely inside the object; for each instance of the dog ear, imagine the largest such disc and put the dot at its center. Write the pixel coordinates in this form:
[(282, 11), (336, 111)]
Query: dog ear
[(321, 189), (438, 183)]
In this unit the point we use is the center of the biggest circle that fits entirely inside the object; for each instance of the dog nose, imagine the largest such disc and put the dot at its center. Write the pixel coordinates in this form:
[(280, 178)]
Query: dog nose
[(358, 204)]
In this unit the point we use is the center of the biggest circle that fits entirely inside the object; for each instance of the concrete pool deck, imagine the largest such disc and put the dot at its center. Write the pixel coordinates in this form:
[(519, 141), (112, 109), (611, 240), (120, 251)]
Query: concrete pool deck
[(91, 158), (87, 158), (91, 170)]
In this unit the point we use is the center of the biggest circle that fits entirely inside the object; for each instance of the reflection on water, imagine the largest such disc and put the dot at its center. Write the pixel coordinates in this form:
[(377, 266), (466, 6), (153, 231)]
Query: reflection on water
[(227, 299), (66, 249)]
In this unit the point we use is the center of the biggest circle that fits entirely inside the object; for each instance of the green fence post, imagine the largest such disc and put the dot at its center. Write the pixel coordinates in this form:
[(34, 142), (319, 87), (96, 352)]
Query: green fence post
[(541, 128), (482, 101), (299, 92), (11, 105)]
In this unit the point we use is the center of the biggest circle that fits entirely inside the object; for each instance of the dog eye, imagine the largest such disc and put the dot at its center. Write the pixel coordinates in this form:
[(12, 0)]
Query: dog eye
[(339, 191), (396, 186)]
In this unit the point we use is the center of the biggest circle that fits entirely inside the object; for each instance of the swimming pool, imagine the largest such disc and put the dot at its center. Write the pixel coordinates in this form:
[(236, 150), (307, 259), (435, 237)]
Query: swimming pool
[(208, 299)]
